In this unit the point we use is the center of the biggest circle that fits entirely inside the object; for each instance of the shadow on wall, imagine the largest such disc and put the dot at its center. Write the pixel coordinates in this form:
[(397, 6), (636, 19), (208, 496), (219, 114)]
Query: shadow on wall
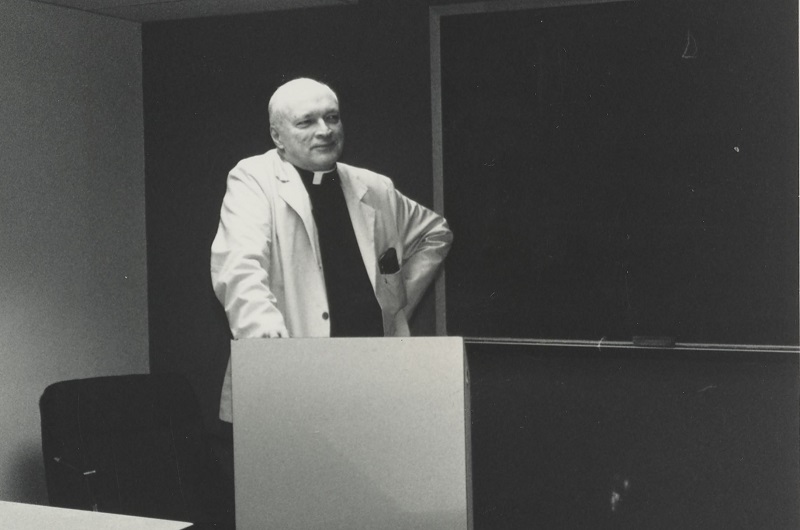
[(27, 474)]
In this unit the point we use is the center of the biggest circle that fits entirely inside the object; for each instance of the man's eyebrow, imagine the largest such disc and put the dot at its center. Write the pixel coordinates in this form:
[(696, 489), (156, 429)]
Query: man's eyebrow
[(309, 115)]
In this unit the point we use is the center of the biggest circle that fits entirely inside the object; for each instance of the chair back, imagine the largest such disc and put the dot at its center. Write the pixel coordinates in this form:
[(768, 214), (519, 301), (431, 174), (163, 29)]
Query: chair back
[(128, 444)]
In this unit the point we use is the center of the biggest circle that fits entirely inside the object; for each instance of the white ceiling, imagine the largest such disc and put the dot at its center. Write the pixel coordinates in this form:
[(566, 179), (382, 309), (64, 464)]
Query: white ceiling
[(150, 10)]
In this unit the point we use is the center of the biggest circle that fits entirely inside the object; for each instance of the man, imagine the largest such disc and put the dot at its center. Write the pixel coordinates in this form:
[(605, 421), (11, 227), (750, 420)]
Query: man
[(311, 247)]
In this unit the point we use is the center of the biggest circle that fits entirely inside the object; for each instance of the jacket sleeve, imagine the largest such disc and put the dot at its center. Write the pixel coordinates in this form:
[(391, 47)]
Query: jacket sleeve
[(426, 241), (240, 259)]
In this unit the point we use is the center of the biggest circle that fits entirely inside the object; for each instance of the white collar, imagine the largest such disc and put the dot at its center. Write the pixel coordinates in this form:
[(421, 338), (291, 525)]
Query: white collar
[(317, 180)]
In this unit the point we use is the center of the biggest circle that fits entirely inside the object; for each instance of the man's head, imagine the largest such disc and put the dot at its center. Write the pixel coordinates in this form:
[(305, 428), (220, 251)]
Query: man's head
[(305, 126)]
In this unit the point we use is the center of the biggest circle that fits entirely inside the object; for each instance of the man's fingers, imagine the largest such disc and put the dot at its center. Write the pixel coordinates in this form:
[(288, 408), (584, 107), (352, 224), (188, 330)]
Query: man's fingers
[(280, 333)]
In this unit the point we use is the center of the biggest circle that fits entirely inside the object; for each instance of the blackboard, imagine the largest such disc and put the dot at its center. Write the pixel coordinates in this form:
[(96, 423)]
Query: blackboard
[(568, 436), (623, 169)]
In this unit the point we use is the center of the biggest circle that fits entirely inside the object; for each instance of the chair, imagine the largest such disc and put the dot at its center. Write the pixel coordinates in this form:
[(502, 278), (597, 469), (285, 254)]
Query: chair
[(131, 445)]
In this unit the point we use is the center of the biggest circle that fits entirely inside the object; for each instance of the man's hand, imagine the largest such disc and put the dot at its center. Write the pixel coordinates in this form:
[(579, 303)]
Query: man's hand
[(276, 333)]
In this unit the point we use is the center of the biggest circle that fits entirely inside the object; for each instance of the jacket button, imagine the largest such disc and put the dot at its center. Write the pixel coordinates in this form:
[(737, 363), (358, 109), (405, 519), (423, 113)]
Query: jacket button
[(325, 315)]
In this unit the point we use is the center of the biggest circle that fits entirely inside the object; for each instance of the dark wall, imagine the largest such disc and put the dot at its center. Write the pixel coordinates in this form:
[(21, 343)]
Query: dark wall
[(206, 87), (702, 440)]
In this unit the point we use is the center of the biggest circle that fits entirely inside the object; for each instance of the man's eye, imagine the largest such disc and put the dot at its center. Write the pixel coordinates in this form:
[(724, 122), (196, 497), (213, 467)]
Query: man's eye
[(304, 123), (332, 118)]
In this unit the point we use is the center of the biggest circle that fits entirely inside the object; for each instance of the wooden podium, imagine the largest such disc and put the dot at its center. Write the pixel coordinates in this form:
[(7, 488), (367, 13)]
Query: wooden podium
[(351, 433)]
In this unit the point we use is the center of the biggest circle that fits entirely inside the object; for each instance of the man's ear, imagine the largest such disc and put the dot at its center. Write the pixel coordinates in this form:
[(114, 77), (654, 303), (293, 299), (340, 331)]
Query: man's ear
[(276, 138)]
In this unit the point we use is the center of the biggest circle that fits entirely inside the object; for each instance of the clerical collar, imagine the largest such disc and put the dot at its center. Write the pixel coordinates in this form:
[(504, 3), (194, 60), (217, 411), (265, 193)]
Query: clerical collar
[(314, 177)]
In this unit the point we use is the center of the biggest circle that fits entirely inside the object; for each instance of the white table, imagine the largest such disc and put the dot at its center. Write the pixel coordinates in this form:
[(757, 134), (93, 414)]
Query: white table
[(36, 517)]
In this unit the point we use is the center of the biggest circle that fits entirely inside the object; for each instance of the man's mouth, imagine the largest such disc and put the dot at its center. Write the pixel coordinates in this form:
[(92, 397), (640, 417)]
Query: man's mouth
[(325, 147)]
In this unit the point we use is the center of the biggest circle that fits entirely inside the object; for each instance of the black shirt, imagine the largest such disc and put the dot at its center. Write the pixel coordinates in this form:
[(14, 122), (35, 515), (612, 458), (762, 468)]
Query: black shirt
[(354, 310)]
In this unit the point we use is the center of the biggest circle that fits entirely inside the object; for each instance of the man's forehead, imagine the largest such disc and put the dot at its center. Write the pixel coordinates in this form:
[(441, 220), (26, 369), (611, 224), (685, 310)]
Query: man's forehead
[(302, 104)]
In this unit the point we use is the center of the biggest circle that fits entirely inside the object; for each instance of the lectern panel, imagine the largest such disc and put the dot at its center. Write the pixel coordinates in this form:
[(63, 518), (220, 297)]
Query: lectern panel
[(351, 433)]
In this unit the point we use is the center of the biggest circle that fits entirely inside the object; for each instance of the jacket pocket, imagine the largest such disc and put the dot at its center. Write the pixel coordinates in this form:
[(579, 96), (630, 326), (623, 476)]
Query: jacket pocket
[(391, 292)]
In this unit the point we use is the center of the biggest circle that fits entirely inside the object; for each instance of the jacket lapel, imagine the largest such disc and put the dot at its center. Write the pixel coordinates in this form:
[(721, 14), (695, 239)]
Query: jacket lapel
[(292, 191), (362, 215)]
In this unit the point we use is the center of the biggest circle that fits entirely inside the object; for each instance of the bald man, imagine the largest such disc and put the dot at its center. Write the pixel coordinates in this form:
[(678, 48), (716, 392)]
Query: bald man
[(310, 247)]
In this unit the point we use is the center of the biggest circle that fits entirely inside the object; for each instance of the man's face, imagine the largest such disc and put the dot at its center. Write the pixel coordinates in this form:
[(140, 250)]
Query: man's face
[(308, 130)]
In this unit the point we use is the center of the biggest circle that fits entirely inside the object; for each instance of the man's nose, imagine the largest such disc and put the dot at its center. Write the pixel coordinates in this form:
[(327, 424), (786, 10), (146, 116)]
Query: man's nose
[(323, 129)]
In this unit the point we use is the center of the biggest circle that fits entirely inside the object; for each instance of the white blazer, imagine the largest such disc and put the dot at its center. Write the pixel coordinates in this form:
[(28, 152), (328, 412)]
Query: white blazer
[(266, 268)]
